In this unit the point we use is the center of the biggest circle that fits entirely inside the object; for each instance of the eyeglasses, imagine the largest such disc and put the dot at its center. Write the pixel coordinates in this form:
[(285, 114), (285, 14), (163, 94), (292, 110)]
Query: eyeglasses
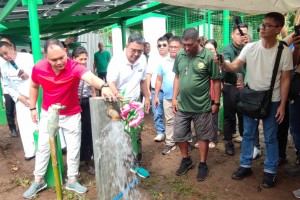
[(134, 51), (267, 26), (161, 45)]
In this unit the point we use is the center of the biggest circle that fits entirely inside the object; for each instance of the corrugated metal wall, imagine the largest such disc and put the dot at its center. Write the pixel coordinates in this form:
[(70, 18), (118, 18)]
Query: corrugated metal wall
[(90, 42)]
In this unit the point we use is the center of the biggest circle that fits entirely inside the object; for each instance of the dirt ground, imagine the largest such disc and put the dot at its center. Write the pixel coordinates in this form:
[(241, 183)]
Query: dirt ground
[(163, 184)]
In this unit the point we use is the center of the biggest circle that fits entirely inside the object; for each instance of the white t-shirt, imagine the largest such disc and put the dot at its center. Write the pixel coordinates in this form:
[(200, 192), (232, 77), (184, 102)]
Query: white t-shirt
[(260, 64), (153, 63), (15, 85), (126, 75)]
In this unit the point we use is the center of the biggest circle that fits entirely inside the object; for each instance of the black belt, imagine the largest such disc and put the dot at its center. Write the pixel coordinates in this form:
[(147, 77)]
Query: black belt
[(154, 89)]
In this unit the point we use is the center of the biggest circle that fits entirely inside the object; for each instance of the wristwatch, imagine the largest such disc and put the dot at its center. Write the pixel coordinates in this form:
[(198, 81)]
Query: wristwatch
[(104, 85), (217, 104)]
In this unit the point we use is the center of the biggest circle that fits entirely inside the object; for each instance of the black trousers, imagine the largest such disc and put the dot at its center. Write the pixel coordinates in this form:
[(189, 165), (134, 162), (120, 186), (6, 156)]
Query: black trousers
[(86, 149), (230, 93), (282, 133), (102, 75), (10, 111)]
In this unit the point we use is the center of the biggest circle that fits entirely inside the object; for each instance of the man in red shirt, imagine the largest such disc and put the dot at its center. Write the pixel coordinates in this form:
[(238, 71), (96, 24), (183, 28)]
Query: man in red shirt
[(59, 77)]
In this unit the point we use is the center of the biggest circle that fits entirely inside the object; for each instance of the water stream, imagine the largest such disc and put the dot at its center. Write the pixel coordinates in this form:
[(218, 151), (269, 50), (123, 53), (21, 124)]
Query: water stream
[(116, 158)]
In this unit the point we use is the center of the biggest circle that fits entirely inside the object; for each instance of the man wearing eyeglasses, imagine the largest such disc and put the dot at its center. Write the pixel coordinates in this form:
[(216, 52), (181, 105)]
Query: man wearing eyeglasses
[(260, 57), (165, 79), (158, 110), (16, 70), (126, 76)]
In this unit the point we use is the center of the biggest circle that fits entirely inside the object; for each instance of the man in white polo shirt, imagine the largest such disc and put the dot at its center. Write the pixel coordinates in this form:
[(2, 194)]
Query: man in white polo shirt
[(126, 76)]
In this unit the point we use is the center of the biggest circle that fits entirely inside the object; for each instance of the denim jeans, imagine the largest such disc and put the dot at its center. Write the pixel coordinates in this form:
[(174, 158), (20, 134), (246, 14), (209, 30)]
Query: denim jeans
[(295, 123), (158, 113), (270, 126)]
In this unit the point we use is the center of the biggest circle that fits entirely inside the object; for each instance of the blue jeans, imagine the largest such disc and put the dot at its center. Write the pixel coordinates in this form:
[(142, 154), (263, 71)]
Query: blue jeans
[(294, 107), (270, 126), (158, 113)]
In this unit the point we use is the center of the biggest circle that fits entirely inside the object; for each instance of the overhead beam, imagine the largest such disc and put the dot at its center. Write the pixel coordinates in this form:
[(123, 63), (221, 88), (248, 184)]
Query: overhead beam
[(102, 15), (69, 11), (112, 11), (9, 7)]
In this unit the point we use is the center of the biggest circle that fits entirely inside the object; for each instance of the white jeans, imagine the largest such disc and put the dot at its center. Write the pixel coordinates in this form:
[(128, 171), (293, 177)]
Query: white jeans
[(26, 128), (71, 128)]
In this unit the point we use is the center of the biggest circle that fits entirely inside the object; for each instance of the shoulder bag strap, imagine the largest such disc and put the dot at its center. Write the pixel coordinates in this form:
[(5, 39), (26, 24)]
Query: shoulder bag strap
[(275, 70)]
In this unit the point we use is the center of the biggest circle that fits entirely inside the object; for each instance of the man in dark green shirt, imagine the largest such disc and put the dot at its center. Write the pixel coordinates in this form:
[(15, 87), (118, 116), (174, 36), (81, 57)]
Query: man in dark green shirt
[(101, 60), (230, 87), (194, 67)]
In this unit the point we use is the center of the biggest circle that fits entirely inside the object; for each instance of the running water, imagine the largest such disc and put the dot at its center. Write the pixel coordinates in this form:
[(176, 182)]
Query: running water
[(116, 159)]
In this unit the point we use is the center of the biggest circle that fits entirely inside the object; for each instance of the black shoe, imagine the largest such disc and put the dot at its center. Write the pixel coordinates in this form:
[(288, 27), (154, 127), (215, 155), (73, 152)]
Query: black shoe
[(202, 172), (269, 180), (185, 165), (241, 173), (64, 151), (29, 158), (13, 133), (229, 148), (281, 161), (293, 171)]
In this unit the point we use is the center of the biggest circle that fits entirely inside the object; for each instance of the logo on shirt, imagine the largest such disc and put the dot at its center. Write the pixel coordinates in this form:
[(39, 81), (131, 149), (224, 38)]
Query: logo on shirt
[(140, 70), (201, 65)]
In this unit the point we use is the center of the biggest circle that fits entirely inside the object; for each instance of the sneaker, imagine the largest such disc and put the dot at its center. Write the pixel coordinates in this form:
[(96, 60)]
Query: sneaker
[(256, 153), (229, 148), (140, 171), (202, 172), (234, 135), (296, 193), (241, 173), (293, 171), (211, 145), (186, 164), (159, 137), (34, 188), (238, 139), (76, 187), (13, 133), (269, 180), (196, 145), (168, 149)]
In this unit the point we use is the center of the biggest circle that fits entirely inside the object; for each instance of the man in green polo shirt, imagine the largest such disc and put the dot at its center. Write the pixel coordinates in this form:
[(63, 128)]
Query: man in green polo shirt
[(194, 67), (101, 60)]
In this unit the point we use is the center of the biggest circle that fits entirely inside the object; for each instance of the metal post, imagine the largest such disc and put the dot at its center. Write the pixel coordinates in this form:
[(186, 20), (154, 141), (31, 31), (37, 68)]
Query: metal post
[(123, 31), (3, 120), (208, 23), (35, 38), (226, 20)]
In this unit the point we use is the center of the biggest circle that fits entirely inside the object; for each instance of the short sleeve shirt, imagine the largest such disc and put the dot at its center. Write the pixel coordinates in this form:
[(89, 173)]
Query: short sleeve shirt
[(101, 60), (127, 76), (230, 53), (260, 65), (166, 71), (194, 80), (61, 88)]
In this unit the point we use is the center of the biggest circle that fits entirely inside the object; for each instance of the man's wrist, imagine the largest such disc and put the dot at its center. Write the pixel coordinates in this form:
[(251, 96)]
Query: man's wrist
[(31, 109)]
